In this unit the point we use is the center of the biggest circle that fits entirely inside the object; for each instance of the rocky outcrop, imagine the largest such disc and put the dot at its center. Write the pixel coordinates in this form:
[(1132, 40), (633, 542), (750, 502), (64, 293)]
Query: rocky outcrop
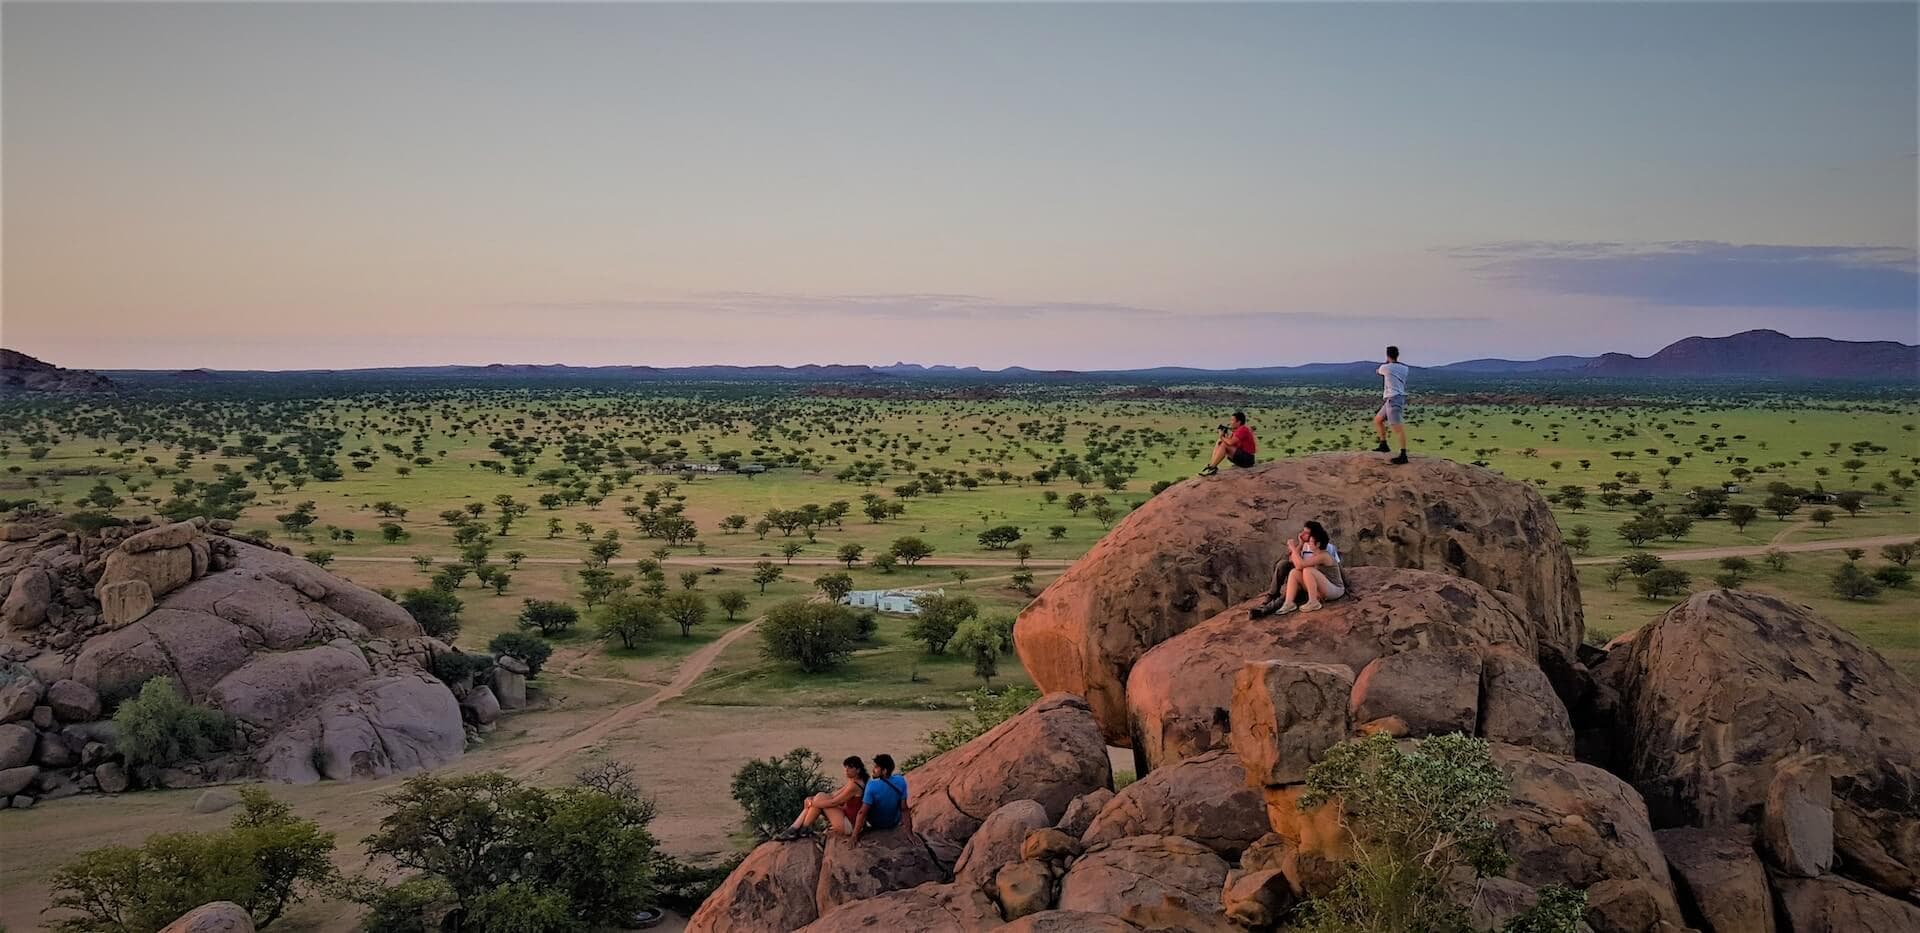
[(1285, 715), (23, 374), (322, 677), (997, 842), (1195, 550), (1726, 687), (929, 908), (1050, 754), (1181, 692), (1835, 905)]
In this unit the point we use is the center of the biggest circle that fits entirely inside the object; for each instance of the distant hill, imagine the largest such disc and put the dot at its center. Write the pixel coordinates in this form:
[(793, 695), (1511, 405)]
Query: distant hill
[(1766, 354), (20, 373), (1753, 355)]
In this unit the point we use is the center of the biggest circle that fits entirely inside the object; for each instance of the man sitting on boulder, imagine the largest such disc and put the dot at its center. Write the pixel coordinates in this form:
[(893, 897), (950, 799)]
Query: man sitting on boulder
[(884, 804), (1236, 446), (1312, 566)]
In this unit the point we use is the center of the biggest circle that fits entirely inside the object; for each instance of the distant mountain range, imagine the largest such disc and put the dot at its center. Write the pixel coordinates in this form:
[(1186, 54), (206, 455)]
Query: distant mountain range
[(1764, 355)]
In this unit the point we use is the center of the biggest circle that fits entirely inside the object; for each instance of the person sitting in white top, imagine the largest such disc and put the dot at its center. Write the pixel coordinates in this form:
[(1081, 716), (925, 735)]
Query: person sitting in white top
[(1316, 573)]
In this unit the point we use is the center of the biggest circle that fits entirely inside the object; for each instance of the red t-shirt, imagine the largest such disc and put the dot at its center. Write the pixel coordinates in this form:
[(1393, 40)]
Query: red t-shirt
[(1243, 439)]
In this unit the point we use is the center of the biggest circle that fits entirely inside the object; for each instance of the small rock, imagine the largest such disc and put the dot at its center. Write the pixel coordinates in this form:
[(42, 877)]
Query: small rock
[(177, 534), (18, 699), (1022, 888), (215, 799), (57, 786), (1049, 845), (15, 780), (481, 705), (22, 802), (111, 777), (217, 917), (41, 717), (27, 600), (1257, 899), (16, 745), (1082, 810), (73, 701)]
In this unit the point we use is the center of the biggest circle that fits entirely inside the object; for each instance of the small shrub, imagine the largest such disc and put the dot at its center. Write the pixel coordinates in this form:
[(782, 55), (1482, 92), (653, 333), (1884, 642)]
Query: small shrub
[(455, 668), (1850, 582), (684, 887), (1893, 576), (773, 791), (160, 727), (532, 649), (985, 709)]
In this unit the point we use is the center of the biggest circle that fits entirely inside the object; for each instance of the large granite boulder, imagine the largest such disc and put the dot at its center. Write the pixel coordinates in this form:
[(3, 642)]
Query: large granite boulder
[(1050, 753), (1181, 692), (1726, 686), (772, 889), (927, 908), (1204, 799), (1153, 882), (884, 860), (1285, 715), (1069, 921), (1573, 824), (1202, 546), (270, 687), (386, 724)]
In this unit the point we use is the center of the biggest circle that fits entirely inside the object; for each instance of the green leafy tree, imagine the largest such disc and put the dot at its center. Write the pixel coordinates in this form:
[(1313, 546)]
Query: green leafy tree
[(772, 791), (814, 637), (1663, 582), (766, 572), (731, 602), (684, 608), (437, 611), (551, 617), (515, 856), (834, 586), (265, 861), (977, 642), (1741, 515), (939, 618), (529, 648), (911, 550), (849, 554), (634, 620)]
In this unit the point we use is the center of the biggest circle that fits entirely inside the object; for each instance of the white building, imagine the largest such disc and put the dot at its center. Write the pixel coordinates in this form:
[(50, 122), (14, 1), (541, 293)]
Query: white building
[(905, 602)]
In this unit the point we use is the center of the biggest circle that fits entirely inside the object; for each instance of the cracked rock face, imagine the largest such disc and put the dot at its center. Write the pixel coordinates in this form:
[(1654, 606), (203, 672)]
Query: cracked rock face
[(1202, 546), (325, 678), (1727, 686)]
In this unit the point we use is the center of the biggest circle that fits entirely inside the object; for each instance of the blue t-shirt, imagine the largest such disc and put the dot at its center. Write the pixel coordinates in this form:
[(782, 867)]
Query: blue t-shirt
[(884, 798)]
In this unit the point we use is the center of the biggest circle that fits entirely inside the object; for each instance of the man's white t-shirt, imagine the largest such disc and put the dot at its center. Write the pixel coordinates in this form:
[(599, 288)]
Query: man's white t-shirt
[(1396, 374)]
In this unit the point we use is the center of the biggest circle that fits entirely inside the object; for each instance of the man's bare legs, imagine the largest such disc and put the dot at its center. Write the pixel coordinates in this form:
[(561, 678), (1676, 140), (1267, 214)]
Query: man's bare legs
[(1380, 428)]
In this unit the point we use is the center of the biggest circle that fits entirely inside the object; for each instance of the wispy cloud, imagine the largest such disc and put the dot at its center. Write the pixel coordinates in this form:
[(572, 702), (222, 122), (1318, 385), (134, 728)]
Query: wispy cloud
[(935, 307), (1709, 274)]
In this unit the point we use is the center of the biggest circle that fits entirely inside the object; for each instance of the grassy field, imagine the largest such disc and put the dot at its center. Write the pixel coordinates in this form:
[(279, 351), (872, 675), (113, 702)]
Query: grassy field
[(585, 464)]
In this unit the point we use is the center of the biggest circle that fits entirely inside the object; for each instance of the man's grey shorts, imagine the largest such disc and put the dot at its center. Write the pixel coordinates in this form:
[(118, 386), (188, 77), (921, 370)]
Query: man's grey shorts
[(1394, 408)]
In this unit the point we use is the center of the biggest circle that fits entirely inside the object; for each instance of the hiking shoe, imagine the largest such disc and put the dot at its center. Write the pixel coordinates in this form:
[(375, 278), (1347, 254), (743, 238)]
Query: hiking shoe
[(1382, 448), (1400, 459), (1209, 471), (1310, 607), (1284, 608), (1267, 608)]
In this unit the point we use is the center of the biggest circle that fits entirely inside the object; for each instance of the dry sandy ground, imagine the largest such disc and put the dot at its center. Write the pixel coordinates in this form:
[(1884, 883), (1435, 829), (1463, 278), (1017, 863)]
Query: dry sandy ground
[(684, 755)]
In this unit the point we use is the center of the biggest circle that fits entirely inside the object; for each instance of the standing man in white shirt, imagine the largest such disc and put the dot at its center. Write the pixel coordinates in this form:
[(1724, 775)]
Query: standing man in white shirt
[(1394, 409)]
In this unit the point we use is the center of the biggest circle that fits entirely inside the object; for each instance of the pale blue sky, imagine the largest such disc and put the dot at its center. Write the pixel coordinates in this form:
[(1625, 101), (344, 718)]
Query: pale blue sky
[(1085, 186)]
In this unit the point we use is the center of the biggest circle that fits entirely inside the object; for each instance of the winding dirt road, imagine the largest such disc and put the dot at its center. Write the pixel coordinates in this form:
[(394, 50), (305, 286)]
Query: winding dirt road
[(548, 754), (1715, 553)]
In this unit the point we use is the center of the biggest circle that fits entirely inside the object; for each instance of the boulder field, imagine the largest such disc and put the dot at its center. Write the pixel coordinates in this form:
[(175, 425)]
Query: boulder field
[(320, 677), (1737, 766)]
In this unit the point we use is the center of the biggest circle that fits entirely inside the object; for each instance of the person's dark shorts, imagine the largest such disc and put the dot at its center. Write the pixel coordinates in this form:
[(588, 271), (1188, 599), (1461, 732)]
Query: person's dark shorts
[(1241, 458)]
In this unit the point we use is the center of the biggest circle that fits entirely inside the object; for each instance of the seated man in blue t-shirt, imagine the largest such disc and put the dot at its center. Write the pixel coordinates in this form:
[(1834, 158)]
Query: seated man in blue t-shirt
[(884, 804)]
